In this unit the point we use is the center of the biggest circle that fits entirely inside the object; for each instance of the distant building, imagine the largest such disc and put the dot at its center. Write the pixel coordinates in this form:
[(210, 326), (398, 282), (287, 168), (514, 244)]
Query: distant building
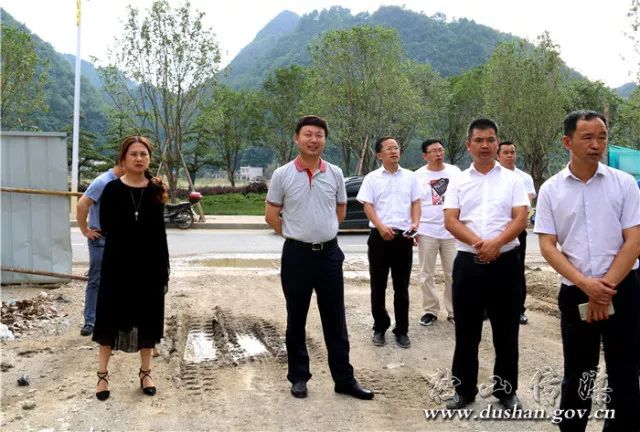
[(250, 173)]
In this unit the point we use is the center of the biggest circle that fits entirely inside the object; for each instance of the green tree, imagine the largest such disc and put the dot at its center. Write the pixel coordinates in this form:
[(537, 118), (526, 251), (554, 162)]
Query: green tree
[(159, 68), (118, 128), (585, 94), (433, 94), (627, 131), (198, 154), (361, 86), (230, 122), (523, 88), (22, 79), (465, 103), (91, 160), (283, 91)]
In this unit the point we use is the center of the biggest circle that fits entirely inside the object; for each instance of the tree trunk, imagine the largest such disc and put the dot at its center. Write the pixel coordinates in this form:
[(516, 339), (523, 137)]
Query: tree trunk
[(192, 188), (363, 154)]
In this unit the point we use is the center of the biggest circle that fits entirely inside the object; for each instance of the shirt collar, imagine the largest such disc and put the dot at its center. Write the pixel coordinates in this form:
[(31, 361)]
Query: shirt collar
[(496, 166), (384, 170), (300, 167), (566, 172)]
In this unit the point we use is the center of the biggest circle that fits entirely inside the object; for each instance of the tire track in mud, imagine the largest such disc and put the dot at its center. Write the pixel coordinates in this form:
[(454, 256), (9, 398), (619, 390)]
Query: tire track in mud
[(202, 345)]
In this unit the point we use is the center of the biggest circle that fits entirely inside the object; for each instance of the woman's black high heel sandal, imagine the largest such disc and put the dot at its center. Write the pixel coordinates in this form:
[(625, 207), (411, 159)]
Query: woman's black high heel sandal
[(151, 390), (104, 394)]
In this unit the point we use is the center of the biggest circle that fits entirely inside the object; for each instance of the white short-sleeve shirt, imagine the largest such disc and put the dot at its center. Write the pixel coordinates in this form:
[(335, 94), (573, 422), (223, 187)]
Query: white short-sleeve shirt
[(486, 202), (308, 200), (588, 217), (391, 195), (528, 182), (433, 188)]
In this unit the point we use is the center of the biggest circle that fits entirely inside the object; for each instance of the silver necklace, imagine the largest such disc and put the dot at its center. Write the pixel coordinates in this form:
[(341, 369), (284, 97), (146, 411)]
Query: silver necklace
[(136, 206)]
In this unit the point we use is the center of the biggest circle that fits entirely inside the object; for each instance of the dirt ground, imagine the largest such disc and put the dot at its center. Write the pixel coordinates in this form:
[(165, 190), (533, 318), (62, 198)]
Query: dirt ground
[(238, 307)]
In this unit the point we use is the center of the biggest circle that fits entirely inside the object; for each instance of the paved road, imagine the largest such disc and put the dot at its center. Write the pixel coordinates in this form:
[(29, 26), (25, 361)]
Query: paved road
[(231, 242)]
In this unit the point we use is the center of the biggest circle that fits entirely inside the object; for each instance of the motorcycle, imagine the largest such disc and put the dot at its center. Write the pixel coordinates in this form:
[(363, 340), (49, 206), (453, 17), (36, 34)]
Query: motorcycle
[(182, 214)]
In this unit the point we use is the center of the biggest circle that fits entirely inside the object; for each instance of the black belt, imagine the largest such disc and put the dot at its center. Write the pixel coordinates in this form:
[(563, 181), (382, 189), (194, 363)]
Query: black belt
[(316, 246), (476, 260)]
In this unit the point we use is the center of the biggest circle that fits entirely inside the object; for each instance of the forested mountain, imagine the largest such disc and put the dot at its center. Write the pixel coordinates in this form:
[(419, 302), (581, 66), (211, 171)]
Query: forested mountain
[(624, 91), (449, 47), (59, 88), (87, 70)]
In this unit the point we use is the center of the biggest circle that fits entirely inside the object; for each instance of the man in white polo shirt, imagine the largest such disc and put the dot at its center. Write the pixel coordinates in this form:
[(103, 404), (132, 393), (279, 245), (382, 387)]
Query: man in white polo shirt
[(485, 210), (391, 201), (433, 238), (305, 203), (592, 212), (507, 158)]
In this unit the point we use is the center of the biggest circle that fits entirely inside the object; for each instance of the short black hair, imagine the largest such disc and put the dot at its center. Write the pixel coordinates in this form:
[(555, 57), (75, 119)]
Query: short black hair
[(505, 142), (427, 143), (481, 123), (312, 120), (571, 120), (379, 141)]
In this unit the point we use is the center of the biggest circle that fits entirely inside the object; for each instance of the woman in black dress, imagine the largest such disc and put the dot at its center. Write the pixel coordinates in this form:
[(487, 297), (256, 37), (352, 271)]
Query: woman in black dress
[(135, 266)]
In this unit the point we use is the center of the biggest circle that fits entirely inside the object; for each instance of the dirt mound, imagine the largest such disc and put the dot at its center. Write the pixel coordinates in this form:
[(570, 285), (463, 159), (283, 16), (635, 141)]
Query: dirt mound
[(23, 315)]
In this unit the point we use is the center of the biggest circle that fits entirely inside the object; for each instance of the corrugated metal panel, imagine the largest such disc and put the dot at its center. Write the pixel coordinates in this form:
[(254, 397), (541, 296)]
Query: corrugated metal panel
[(35, 228)]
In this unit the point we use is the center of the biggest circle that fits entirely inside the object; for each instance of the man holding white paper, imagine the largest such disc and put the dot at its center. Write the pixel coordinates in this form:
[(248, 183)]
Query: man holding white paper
[(592, 212)]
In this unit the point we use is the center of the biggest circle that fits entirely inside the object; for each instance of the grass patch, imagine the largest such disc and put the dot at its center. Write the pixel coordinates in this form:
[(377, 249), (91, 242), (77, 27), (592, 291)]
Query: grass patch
[(234, 204)]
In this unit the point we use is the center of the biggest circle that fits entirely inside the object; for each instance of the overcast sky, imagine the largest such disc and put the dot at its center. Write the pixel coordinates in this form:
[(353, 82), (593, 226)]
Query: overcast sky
[(591, 34)]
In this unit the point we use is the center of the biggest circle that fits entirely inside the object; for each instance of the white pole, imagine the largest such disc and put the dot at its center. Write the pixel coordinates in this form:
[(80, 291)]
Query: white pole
[(76, 116)]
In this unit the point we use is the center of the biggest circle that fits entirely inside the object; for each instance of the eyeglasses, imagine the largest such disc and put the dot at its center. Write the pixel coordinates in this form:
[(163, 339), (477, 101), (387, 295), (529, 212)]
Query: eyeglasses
[(390, 149), (435, 151)]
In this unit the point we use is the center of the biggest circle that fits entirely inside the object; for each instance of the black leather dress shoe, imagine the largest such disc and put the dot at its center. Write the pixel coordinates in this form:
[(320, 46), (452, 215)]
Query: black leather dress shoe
[(378, 339), (403, 341), (299, 389), (511, 402), (86, 330), (459, 402), (355, 390)]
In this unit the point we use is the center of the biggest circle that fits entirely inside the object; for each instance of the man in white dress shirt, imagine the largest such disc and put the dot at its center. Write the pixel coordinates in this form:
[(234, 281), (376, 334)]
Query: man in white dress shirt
[(433, 238), (485, 210), (507, 158), (592, 212), (392, 203)]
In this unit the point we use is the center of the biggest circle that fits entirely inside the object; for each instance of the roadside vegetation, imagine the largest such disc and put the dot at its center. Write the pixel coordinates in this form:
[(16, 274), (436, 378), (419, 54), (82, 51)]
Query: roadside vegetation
[(234, 204)]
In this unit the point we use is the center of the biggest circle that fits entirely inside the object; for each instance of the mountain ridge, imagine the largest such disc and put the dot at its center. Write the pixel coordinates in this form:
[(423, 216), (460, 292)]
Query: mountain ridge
[(426, 40)]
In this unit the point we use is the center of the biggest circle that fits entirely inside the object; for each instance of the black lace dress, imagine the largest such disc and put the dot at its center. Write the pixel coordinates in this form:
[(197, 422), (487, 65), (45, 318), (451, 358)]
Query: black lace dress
[(135, 268)]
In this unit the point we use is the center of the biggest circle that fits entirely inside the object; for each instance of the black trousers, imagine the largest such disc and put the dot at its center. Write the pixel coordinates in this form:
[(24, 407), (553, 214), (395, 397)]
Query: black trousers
[(620, 335), (496, 288), (303, 270), (395, 255), (522, 249)]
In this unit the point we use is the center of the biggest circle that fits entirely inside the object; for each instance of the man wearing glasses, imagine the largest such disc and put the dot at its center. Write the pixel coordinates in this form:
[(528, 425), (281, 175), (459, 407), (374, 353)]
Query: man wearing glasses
[(391, 201), (433, 238)]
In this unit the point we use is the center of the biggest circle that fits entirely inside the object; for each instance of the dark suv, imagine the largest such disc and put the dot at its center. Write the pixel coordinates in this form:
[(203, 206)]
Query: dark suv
[(355, 219)]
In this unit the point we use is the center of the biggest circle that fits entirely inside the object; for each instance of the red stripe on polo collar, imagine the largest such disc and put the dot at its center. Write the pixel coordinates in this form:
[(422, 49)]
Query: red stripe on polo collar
[(299, 167), (322, 168)]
